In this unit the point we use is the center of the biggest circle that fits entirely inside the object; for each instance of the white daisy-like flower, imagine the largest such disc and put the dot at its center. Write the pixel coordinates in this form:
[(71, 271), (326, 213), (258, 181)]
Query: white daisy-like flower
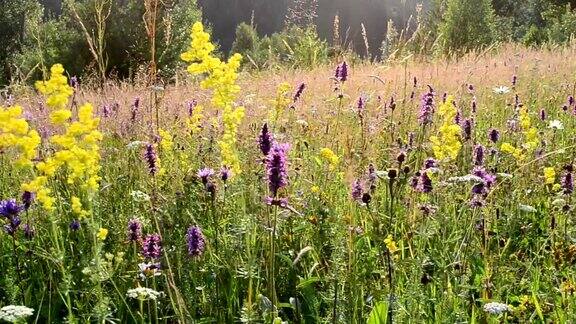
[(495, 308), (143, 293), (501, 90), (556, 124), (13, 313)]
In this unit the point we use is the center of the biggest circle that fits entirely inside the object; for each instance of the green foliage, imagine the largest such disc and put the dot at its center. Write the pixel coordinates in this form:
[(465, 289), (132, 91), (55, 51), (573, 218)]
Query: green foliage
[(467, 25), (294, 46), (562, 24)]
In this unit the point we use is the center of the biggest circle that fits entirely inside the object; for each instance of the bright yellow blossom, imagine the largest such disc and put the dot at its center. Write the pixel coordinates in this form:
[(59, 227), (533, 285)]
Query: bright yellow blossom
[(16, 135), (329, 156), (390, 244), (102, 234), (549, 176), (447, 145)]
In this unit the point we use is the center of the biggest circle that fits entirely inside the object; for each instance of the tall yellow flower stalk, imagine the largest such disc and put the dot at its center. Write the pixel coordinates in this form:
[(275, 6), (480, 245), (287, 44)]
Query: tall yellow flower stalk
[(16, 135), (447, 145), (221, 78), (77, 152)]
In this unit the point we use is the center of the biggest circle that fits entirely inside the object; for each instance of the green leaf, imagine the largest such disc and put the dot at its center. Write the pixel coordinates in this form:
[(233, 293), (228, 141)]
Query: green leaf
[(378, 314)]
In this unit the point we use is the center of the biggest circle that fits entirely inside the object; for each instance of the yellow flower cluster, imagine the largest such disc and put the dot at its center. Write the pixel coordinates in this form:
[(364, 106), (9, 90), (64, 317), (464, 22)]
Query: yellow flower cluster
[(390, 244), (531, 139), (16, 134), (549, 176), (57, 91), (221, 75), (330, 157), (194, 122), (77, 151), (221, 78), (281, 101), (447, 145), (232, 119)]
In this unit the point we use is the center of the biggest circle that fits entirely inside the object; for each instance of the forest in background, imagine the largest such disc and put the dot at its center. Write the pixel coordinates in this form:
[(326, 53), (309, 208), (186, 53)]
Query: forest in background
[(93, 39)]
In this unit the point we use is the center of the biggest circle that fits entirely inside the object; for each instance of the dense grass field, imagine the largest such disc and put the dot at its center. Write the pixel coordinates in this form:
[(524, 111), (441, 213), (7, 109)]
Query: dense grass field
[(408, 192)]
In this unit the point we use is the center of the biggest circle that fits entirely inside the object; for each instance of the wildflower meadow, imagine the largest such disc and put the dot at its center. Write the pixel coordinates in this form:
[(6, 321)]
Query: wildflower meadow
[(421, 191)]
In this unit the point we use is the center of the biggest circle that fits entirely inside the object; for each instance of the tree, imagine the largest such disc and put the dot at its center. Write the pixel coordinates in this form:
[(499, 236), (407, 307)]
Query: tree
[(467, 25)]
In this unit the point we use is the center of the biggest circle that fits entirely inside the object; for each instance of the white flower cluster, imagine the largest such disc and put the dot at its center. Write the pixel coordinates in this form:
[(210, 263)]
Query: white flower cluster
[(143, 293), (14, 313), (495, 308)]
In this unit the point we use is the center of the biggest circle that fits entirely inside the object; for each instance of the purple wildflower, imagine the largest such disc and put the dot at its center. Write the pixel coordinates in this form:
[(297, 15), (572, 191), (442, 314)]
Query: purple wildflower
[(280, 202), (424, 183), (494, 135), (467, 128), (372, 177), (430, 163), (9, 208), (277, 169), (392, 104), (360, 106), (474, 105), (426, 107), (400, 158), (542, 114), (196, 241), (134, 232), (106, 111), (152, 246), (342, 72), (299, 91), (191, 105), (568, 183), (265, 140), (74, 82), (477, 201), (357, 190), (570, 100), (514, 80), (204, 174), (75, 225), (458, 117), (225, 173), (151, 159), (12, 226), (478, 155)]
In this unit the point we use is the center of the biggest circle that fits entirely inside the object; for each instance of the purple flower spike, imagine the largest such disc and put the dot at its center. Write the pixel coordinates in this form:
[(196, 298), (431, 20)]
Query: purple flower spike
[(277, 169), (426, 107), (494, 135), (9, 208), (196, 241), (265, 140), (299, 92), (357, 190), (204, 174), (134, 232), (152, 246), (151, 159)]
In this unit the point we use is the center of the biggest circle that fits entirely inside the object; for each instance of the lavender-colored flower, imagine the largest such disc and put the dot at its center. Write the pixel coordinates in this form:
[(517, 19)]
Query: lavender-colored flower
[(74, 82), (204, 174), (12, 226), (514, 80), (299, 91), (106, 111), (424, 183), (360, 105), (477, 201), (570, 100), (277, 168), (225, 173), (372, 177), (9, 208), (265, 140), (134, 232), (542, 114), (568, 183), (29, 231), (151, 159), (152, 246), (342, 72), (474, 105), (74, 225), (430, 163), (426, 107), (280, 202), (478, 155), (357, 190), (494, 135), (565, 108), (458, 117), (196, 241), (467, 129)]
